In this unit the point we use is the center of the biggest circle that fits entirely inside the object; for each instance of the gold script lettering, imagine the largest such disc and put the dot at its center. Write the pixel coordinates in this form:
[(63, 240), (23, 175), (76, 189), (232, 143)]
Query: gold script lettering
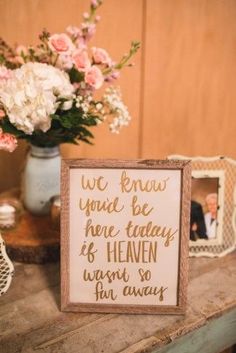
[(129, 185), (108, 206), (150, 230), (88, 250), (97, 230), (103, 294), (110, 276), (132, 251), (144, 291), (138, 209), (92, 184), (144, 275)]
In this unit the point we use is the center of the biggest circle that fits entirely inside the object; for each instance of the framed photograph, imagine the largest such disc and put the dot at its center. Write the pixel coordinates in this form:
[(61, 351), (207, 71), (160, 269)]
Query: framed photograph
[(213, 206), (124, 241)]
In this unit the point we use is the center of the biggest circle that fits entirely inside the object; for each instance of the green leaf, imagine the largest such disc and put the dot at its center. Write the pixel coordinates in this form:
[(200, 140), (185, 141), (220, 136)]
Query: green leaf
[(11, 129), (75, 75), (90, 121), (85, 132), (84, 139)]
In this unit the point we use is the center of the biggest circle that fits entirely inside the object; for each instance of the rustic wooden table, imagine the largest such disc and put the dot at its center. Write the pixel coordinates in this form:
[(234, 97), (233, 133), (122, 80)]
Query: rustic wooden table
[(30, 319)]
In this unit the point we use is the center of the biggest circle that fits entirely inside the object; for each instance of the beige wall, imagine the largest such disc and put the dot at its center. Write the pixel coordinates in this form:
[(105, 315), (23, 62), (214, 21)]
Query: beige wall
[(181, 92)]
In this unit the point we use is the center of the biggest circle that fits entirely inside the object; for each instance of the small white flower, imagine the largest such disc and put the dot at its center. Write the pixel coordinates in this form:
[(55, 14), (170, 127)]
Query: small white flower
[(98, 121), (115, 106), (99, 106), (67, 105)]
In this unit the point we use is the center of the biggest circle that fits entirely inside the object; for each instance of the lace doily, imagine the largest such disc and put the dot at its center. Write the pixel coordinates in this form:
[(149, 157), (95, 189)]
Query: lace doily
[(6, 268)]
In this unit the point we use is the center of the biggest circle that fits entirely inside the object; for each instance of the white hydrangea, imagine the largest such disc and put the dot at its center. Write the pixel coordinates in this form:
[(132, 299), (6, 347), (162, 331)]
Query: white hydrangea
[(113, 101), (31, 95)]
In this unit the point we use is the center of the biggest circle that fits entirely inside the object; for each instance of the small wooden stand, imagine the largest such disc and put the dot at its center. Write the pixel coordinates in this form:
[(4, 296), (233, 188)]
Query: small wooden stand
[(33, 240)]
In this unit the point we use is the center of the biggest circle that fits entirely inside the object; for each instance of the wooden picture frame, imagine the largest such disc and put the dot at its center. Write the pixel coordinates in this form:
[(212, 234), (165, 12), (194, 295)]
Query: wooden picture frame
[(214, 177), (174, 197)]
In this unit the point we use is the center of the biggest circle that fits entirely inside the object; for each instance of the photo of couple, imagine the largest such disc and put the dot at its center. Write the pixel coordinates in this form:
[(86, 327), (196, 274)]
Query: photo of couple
[(204, 207)]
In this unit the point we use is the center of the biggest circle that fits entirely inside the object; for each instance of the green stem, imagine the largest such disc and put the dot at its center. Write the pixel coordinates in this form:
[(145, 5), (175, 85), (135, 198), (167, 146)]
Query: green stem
[(134, 48), (56, 58)]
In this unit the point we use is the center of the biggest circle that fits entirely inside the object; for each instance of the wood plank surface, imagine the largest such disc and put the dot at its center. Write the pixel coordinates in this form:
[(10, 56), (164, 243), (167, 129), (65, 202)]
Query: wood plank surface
[(212, 338), (30, 319)]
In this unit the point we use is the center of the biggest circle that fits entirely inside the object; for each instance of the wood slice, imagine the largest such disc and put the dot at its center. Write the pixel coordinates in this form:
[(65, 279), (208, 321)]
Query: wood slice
[(33, 240)]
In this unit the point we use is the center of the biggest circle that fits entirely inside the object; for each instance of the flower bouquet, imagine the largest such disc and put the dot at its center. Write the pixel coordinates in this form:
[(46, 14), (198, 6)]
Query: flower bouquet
[(47, 92)]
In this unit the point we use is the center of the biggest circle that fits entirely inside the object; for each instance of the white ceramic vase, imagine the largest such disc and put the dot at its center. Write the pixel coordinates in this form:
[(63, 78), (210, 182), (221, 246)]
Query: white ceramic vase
[(41, 180)]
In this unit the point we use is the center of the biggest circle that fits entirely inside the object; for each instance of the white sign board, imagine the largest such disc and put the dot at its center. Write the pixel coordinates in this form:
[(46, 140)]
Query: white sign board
[(123, 236)]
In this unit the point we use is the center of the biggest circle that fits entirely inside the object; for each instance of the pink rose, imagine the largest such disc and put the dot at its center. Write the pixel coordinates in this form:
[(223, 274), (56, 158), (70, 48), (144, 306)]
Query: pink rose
[(94, 3), (112, 76), (88, 30), (86, 15), (5, 74), (19, 60), (81, 60), (80, 44), (100, 56), (73, 31), (94, 77), (8, 142), (61, 43), (64, 61), (76, 85), (21, 50)]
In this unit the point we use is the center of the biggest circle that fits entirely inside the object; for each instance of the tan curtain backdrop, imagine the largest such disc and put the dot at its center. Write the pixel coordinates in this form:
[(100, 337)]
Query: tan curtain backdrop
[(181, 92)]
